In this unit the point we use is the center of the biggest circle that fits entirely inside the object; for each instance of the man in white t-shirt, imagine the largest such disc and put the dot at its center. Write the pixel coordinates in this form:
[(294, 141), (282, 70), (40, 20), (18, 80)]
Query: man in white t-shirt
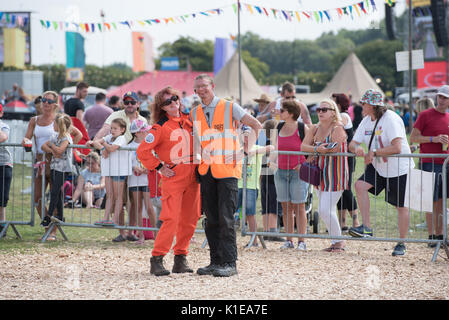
[(382, 172)]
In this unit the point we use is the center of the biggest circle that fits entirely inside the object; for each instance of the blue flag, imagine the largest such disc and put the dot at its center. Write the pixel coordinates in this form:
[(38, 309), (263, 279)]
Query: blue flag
[(76, 58)]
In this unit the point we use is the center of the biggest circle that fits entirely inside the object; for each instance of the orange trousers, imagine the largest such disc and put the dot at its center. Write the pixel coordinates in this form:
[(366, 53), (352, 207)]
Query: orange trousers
[(181, 209)]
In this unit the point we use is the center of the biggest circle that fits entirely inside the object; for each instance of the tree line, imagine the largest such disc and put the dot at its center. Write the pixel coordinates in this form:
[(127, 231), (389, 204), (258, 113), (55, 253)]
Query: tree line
[(272, 62)]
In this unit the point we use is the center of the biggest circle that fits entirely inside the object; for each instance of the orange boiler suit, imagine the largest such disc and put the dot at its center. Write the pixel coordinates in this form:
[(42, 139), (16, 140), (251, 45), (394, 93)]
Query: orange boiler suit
[(172, 141)]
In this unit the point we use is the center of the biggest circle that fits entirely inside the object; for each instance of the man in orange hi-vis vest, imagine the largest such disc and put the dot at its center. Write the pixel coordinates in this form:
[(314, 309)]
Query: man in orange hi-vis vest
[(215, 124)]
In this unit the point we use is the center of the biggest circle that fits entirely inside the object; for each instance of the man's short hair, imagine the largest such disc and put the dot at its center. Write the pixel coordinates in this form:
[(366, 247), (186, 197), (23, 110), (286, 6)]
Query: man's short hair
[(288, 86), (205, 76), (81, 85), (100, 96), (113, 100)]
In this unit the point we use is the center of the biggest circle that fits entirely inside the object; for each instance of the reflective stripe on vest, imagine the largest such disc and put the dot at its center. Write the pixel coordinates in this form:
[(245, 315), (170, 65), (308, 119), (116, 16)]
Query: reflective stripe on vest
[(222, 139)]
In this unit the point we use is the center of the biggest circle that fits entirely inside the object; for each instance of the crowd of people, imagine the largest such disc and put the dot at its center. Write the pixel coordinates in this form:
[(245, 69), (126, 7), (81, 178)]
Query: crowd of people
[(193, 153)]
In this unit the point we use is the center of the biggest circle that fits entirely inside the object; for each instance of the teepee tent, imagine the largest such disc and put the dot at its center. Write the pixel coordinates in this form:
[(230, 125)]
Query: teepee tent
[(352, 79), (227, 82)]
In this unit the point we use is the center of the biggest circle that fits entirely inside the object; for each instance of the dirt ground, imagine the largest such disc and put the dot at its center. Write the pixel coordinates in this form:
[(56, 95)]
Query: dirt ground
[(365, 271)]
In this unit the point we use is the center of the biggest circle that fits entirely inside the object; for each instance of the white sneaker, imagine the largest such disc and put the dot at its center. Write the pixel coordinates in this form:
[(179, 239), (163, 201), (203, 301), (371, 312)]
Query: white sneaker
[(288, 245), (301, 246)]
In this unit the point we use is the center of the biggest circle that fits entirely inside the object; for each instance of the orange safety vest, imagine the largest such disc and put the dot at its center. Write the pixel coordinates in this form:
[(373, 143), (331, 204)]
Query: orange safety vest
[(219, 141)]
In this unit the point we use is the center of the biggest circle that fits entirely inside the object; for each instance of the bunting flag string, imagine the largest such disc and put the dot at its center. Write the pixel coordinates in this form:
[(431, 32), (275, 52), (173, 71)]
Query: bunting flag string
[(358, 9)]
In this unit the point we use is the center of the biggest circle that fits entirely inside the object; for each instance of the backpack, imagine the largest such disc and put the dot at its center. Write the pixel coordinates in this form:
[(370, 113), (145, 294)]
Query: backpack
[(300, 129)]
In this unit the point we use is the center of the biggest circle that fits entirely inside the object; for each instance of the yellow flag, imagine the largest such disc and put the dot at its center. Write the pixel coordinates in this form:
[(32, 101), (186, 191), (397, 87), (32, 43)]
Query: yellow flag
[(15, 46)]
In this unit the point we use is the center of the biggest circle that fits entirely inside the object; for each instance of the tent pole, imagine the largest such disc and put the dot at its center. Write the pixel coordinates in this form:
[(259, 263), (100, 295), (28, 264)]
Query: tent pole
[(240, 52), (410, 71)]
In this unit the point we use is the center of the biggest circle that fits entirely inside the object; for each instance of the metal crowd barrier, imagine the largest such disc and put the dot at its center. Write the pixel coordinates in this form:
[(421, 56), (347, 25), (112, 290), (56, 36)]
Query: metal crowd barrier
[(383, 223), (75, 215), (19, 209)]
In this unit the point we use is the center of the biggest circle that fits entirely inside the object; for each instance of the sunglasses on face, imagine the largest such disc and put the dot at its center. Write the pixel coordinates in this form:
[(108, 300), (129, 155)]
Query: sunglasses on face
[(128, 102), (282, 110), (169, 101), (323, 110), (290, 97), (49, 101)]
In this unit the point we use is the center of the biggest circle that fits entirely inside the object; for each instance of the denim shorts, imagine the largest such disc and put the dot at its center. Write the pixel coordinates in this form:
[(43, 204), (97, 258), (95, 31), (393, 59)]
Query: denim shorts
[(251, 201), (140, 188), (289, 188), (119, 178), (438, 170)]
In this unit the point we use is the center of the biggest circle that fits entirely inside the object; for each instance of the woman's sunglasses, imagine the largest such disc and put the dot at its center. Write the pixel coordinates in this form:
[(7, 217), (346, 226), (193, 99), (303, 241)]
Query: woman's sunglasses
[(49, 101), (169, 101), (323, 110), (127, 102)]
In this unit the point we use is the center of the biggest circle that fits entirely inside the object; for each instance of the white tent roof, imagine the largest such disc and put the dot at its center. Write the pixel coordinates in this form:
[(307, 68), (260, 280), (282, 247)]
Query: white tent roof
[(227, 82), (352, 79)]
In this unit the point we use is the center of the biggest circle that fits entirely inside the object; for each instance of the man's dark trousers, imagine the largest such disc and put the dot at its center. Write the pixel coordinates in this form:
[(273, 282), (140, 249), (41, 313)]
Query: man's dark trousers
[(220, 197)]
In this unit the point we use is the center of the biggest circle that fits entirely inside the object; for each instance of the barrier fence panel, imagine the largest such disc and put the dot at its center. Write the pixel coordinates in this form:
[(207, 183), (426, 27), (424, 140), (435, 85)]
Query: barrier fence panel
[(16, 205), (409, 223), (92, 182)]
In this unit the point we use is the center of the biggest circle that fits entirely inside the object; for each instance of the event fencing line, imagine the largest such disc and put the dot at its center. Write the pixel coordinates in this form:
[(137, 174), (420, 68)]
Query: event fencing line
[(16, 190), (383, 216), (21, 206)]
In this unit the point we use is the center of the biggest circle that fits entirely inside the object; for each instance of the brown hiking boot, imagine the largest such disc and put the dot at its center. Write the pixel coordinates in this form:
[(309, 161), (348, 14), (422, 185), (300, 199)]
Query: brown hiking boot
[(180, 265), (157, 266)]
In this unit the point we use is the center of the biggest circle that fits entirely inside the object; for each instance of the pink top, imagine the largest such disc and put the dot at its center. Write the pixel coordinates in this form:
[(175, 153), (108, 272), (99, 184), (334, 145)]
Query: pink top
[(290, 143)]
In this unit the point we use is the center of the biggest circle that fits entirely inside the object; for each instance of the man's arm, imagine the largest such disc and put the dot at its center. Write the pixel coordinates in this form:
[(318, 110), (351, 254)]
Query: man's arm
[(255, 125), (305, 114), (105, 129)]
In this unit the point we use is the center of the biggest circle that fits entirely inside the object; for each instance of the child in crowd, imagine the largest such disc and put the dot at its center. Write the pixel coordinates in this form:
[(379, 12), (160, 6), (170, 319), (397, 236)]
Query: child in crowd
[(138, 183), (116, 167), (253, 170), (60, 166), (155, 185)]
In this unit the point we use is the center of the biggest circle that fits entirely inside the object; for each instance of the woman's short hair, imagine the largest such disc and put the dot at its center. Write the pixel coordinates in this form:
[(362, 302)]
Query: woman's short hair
[(342, 100), (293, 107), (156, 108)]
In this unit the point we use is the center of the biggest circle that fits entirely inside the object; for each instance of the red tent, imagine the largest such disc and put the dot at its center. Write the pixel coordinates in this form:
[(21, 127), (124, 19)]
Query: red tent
[(157, 80)]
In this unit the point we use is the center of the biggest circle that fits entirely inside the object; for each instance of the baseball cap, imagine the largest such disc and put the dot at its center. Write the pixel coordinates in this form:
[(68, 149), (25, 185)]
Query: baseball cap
[(444, 91), (139, 126), (131, 94), (373, 98)]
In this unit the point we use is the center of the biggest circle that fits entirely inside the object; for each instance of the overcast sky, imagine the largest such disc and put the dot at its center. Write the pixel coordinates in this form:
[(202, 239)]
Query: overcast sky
[(115, 46)]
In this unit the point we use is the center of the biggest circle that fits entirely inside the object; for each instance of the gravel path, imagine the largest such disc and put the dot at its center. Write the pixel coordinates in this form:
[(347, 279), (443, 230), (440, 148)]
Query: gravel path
[(365, 271)]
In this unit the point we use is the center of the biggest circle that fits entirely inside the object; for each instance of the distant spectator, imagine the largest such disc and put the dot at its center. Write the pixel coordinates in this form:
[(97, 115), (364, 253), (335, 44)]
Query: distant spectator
[(358, 116), (185, 101), (424, 104), (74, 107), (38, 105), (5, 169), (96, 115), (115, 104)]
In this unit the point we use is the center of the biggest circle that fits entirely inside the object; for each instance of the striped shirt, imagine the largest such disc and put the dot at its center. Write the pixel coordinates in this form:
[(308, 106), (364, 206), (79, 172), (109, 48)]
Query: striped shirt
[(334, 169)]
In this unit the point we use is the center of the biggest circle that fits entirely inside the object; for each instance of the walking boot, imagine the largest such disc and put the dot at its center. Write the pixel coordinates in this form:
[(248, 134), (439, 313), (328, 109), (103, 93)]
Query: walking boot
[(157, 266), (180, 265)]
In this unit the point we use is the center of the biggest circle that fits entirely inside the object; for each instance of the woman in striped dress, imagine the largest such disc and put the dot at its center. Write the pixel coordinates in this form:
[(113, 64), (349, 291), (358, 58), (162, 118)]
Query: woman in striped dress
[(334, 177)]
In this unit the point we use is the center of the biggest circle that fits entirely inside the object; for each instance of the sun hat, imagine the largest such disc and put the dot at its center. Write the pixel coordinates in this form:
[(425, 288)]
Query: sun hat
[(139, 126), (263, 98), (443, 91), (373, 98)]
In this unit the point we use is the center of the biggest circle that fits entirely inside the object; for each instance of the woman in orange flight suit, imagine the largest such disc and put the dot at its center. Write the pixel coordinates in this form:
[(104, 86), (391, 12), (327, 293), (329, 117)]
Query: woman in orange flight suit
[(171, 139)]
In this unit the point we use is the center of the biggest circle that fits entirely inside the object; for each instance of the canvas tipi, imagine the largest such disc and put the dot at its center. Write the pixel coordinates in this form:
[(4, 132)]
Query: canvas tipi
[(227, 82)]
